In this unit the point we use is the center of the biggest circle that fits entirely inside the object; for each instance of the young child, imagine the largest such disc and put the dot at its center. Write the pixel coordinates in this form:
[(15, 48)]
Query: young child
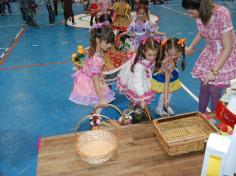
[(141, 26), (122, 15), (166, 80), (89, 85), (114, 58), (93, 9), (134, 79)]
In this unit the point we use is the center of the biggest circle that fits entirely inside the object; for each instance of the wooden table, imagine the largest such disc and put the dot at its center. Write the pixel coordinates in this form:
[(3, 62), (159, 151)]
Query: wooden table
[(139, 153)]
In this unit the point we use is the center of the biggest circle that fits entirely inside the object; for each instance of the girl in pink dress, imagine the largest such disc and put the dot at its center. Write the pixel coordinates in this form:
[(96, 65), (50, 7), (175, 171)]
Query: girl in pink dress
[(89, 85), (216, 65), (134, 79)]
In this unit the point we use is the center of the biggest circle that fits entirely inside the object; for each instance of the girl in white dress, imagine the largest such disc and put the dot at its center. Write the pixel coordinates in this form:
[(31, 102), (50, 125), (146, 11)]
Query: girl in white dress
[(134, 79)]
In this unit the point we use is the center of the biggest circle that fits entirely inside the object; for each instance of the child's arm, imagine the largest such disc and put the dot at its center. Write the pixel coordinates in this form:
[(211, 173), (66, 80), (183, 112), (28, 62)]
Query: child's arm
[(98, 89), (160, 33)]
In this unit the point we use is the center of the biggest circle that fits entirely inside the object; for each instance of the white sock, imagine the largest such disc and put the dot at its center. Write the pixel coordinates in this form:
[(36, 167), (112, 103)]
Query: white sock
[(161, 101)]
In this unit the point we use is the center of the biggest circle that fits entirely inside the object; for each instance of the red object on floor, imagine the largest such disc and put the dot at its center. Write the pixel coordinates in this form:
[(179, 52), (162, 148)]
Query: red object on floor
[(225, 115)]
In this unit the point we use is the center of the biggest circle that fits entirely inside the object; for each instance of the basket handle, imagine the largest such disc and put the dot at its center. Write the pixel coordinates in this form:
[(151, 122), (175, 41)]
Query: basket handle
[(146, 111), (94, 115), (109, 105)]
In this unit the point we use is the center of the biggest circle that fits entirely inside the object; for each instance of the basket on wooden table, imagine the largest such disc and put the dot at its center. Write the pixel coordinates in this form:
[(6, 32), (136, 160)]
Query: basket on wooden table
[(183, 133), (97, 146)]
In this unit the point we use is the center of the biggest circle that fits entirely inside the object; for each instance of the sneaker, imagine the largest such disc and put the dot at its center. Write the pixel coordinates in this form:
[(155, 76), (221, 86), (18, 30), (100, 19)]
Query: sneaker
[(161, 112), (170, 110)]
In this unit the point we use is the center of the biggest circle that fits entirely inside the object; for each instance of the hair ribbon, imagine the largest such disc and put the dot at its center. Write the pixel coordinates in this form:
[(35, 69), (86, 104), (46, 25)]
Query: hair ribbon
[(99, 25), (181, 42), (155, 38)]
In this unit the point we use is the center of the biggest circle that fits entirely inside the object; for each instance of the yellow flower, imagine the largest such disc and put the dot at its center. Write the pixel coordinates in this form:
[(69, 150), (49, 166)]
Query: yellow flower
[(80, 49), (73, 55)]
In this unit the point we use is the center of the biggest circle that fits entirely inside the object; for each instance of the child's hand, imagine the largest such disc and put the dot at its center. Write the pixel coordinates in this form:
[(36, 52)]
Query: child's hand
[(103, 102), (143, 104), (189, 50), (162, 33)]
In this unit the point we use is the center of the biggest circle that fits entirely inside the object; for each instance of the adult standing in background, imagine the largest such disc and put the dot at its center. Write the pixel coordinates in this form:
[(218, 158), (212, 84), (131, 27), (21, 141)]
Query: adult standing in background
[(68, 11), (51, 14), (55, 6), (216, 65)]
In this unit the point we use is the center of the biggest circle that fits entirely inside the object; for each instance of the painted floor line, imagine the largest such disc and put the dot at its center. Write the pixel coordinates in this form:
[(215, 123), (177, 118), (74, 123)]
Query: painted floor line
[(192, 94), (35, 65), (12, 45), (176, 11), (15, 25)]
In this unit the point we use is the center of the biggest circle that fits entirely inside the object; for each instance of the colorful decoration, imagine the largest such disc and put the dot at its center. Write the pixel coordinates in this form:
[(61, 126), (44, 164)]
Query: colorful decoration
[(224, 129), (94, 121), (77, 58)]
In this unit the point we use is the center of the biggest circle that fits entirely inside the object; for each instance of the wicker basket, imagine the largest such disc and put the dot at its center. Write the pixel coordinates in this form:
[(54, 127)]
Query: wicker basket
[(98, 145), (183, 133)]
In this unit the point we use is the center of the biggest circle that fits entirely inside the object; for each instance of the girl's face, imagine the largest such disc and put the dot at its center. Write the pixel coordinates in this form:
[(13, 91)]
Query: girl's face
[(173, 53), (103, 45), (193, 13), (150, 54), (141, 15)]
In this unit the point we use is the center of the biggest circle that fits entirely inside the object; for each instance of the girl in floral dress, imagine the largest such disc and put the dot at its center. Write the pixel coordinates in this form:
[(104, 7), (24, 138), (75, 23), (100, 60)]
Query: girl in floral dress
[(134, 79), (89, 85), (166, 80), (216, 65)]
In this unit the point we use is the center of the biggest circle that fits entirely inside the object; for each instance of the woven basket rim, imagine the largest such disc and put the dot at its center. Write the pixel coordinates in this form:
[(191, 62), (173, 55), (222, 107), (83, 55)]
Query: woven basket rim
[(184, 145)]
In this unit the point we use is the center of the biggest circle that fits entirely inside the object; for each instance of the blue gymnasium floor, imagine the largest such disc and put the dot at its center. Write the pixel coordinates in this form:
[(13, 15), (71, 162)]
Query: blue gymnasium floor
[(36, 82)]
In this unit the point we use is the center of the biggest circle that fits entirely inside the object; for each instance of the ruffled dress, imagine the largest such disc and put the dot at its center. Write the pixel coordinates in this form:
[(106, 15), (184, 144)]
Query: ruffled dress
[(122, 12), (136, 86), (83, 91), (168, 65), (140, 30)]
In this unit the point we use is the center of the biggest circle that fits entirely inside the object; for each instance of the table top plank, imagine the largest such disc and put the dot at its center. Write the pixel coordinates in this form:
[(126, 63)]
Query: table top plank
[(138, 153)]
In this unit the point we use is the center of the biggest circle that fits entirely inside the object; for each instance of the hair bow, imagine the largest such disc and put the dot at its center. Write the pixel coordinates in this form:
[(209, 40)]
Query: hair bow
[(144, 39), (163, 42), (181, 42), (155, 38), (99, 25)]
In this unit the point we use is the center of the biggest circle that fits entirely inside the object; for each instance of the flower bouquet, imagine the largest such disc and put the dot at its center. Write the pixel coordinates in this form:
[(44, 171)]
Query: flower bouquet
[(77, 58)]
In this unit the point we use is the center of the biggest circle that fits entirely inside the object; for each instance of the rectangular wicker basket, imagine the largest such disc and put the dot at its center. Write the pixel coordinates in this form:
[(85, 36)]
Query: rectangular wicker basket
[(183, 133)]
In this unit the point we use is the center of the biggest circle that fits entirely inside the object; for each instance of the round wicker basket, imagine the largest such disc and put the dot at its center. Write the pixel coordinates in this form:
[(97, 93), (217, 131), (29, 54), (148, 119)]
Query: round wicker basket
[(97, 146)]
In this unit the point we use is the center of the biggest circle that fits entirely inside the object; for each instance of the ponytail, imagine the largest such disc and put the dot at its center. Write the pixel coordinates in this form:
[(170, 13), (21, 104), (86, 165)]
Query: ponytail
[(93, 44), (183, 63), (205, 10)]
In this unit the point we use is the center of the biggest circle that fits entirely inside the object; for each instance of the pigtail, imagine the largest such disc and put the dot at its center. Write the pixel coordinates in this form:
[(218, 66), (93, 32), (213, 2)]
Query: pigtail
[(93, 44), (205, 10), (137, 57), (160, 57), (183, 63), (181, 47)]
